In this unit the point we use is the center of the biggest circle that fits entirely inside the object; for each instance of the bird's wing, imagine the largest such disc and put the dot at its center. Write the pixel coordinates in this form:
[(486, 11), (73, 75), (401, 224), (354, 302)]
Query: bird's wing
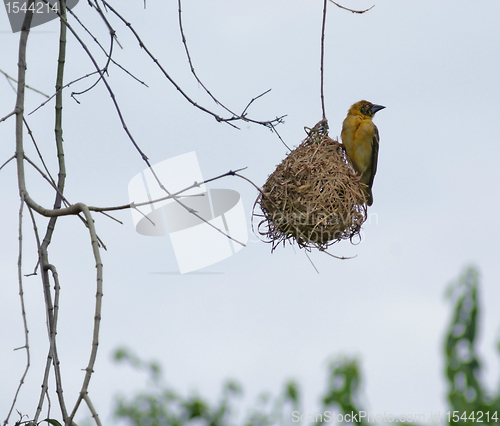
[(375, 145)]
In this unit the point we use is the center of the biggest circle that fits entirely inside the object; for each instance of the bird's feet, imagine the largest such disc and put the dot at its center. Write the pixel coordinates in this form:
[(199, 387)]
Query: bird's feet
[(357, 177)]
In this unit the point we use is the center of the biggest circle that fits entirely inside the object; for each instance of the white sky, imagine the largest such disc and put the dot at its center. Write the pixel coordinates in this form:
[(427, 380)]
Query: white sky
[(257, 317)]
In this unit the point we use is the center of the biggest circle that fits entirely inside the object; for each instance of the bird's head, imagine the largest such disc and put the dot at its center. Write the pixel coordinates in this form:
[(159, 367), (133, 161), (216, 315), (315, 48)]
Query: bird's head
[(365, 109)]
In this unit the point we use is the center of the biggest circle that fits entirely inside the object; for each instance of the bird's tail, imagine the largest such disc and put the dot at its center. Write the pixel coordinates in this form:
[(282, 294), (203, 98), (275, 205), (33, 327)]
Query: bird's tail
[(369, 196)]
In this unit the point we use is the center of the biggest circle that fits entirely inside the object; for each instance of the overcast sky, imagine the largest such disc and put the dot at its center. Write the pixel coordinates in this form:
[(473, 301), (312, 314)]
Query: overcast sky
[(258, 317)]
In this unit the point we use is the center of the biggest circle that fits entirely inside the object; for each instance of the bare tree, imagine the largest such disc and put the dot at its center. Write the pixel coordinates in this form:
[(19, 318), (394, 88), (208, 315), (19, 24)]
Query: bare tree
[(69, 21), (108, 14)]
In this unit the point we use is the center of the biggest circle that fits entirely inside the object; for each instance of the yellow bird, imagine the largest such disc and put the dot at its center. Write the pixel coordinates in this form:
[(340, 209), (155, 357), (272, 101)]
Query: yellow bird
[(360, 138)]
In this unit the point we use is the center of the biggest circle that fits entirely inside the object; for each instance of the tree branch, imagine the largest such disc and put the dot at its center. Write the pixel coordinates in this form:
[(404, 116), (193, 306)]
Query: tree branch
[(234, 117), (351, 10), (23, 312), (27, 87), (97, 315)]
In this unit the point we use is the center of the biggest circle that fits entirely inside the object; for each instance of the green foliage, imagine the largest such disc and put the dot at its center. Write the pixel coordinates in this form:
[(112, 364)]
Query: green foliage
[(463, 369), (160, 405), (343, 387), (53, 422)]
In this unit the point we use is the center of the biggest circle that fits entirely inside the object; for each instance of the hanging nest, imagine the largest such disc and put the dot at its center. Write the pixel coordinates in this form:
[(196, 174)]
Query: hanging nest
[(313, 197)]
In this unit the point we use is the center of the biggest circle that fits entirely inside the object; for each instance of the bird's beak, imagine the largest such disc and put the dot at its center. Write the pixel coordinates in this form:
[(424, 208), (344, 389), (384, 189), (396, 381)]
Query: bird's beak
[(376, 108)]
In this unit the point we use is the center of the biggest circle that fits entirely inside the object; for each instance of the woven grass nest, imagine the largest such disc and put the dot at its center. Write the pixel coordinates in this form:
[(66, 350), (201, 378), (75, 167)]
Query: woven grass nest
[(313, 196)]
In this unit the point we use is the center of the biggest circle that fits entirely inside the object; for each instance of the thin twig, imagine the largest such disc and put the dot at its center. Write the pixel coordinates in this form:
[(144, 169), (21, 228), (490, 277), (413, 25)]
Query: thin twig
[(27, 87), (45, 390), (103, 17), (40, 156), (338, 257), (191, 66), (249, 181), (66, 85), (243, 114), (351, 10), (134, 205), (7, 116), (103, 49), (322, 59), (49, 404), (108, 56), (310, 260), (101, 73), (23, 310), (113, 33), (235, 117), (7, 162), (104, 80), (273, 129)]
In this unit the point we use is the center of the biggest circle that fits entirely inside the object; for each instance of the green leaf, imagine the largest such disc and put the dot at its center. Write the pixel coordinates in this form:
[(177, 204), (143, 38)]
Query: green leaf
[(53, 422)]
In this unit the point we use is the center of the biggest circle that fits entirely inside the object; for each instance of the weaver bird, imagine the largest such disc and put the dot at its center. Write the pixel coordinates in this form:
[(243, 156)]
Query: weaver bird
[(360, 138)]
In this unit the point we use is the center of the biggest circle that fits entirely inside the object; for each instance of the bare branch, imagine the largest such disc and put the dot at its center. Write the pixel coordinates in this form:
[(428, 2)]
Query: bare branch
[(45, 390), (353, 11), (234, 117), (64, 199), (51, 313), (101, 47), (74, 209), (21, 84), (322, 61), (30, 134), (7, 162), (104, 80), (27, 87), (23, 311), (97, 315), (175, 195), (24, 195), (66, 85), (49, 404), (184, 42), (252, 101), (101, 73), (62, 207), (7, 116), (95, 416), (332, 255), (127, 131)]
